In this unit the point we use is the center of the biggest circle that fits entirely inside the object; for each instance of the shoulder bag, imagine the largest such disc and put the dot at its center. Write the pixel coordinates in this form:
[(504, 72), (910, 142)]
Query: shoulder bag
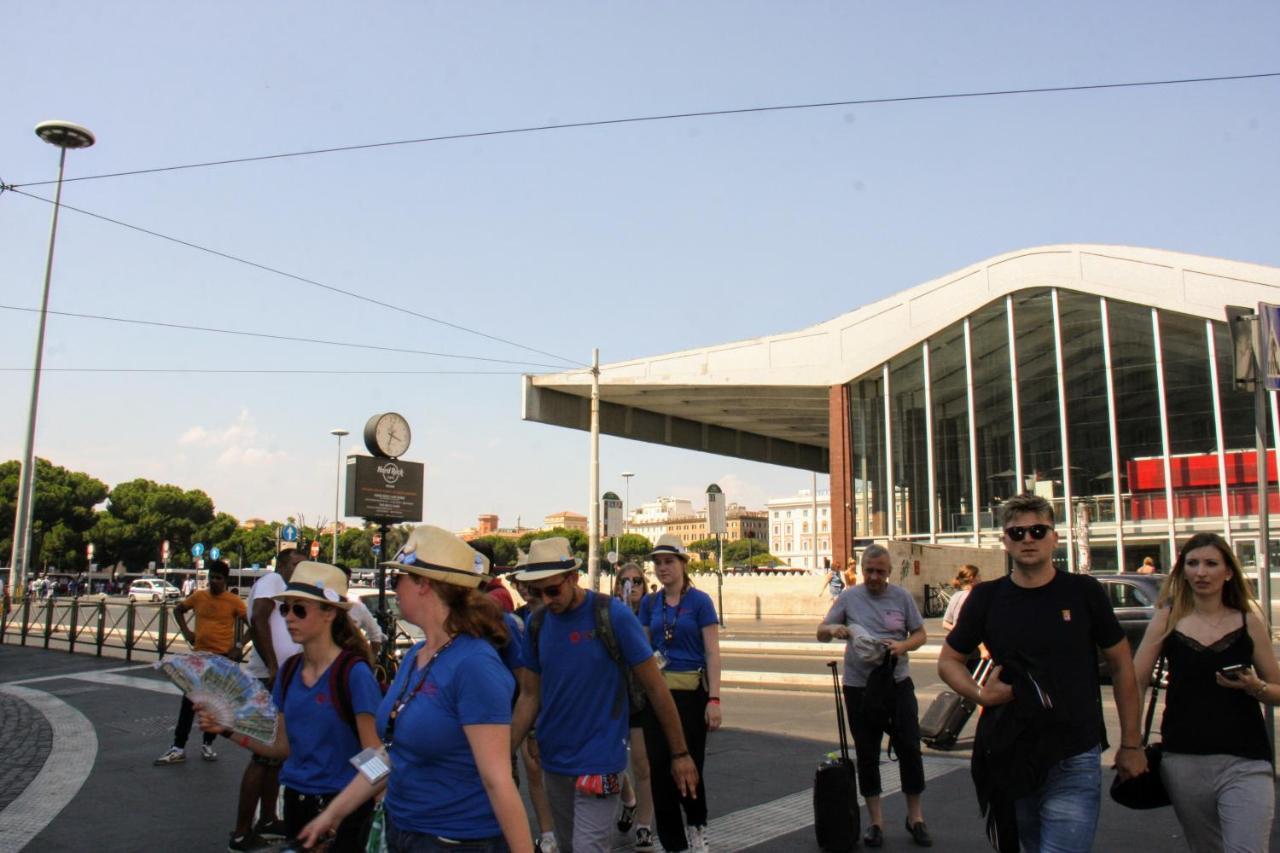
[(1146, 791)]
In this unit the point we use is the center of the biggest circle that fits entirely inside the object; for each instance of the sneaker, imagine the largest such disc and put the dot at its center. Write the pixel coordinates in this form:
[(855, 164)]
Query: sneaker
[(249, 841), (697, 836), (175, 755), (644, 840), (627, 818), (207, 752), (546, 844), (271, 829)]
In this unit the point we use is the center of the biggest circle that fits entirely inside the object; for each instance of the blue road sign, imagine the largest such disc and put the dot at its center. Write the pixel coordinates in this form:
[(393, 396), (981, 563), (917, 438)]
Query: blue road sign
[(377, 549), (289, 533), (197, 550), (214, 553)]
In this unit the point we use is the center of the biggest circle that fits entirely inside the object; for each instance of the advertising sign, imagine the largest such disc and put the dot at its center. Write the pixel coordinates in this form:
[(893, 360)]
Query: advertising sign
[(387, 490), (715, 510), (612, 506), (1269, 358)]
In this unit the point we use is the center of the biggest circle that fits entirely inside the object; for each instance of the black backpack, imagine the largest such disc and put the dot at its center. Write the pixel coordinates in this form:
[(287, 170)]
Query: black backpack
[(604, 630)]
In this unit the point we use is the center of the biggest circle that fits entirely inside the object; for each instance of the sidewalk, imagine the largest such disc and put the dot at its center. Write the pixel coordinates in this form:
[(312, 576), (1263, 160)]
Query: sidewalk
[(94, 786)]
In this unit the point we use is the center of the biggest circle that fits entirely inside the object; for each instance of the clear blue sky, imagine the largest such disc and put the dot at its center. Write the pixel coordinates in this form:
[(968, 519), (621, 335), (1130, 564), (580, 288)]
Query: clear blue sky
[(639, 239)]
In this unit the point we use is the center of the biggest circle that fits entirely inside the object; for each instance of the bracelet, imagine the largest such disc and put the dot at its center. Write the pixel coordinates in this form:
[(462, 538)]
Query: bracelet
[(713, 700), (1122, 746), (676, 755), (243, 740), (1261, 691)]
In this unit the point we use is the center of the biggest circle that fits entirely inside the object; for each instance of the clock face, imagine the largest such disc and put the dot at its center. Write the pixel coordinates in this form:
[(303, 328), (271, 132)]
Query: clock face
[(387, 435)]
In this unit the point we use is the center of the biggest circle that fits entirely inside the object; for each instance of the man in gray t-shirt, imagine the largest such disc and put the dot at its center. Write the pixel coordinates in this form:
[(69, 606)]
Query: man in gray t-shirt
[(878, 612)]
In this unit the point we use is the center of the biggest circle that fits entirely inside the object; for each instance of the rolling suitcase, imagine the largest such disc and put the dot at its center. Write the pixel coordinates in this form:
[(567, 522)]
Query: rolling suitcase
[(946, 716), (836, 819)]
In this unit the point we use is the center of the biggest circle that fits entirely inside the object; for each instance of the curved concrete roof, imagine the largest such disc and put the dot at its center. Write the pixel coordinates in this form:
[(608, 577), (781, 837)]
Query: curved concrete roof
[(766, 398)]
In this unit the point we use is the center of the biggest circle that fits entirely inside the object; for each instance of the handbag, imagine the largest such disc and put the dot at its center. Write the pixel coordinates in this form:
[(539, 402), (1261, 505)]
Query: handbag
[(1146, 791)]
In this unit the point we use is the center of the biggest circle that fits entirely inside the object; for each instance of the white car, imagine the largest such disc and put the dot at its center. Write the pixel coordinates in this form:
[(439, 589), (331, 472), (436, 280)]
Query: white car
[(152, 589)]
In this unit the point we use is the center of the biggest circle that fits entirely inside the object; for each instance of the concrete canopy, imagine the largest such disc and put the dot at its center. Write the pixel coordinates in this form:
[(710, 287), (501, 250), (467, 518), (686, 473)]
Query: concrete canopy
[(766, 399)]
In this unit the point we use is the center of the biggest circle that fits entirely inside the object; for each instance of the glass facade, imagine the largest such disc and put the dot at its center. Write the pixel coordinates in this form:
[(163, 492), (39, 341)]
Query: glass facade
[(981, 411)]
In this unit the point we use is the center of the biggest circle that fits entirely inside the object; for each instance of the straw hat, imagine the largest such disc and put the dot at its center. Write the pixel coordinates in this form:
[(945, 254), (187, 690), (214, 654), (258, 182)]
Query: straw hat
[(435, 553), (669, 543), (317, 582), (548, 558)]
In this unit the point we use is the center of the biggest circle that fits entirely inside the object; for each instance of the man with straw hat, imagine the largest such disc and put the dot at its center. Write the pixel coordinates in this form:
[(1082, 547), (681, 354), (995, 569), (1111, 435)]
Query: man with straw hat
[(579, 650)]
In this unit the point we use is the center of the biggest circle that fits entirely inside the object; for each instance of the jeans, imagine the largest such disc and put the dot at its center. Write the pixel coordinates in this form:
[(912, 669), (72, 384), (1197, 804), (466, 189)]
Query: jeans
[(1063, 816), (300, 809), (905, 739), (404, 841)]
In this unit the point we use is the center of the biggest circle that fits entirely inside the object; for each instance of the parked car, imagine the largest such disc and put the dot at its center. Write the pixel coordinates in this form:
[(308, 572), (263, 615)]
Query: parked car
[(153, 589), (407, 632), (1133, 598)]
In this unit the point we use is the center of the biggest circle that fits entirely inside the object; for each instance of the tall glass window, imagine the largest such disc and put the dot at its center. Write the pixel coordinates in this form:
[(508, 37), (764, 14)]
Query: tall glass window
[(993, 409), (866, 424), (1038, 395), (1133, 369), (1088, 433), (948, 388), (910, 450)]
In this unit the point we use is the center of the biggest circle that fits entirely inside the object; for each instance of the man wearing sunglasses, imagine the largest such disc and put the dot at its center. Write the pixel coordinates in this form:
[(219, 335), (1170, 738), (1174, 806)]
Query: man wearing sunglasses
[(576, 691), (1043, 629)]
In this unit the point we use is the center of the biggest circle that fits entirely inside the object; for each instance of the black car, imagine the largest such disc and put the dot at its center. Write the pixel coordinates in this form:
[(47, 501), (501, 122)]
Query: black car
[(1133, 598)]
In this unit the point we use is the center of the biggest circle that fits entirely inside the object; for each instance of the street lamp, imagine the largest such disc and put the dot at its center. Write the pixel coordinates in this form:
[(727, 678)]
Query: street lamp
[(337, 490), (65, 135), (626, 524)]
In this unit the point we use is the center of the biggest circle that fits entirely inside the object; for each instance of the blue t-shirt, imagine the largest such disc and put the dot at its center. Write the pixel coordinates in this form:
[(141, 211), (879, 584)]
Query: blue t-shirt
[(686, 652), (435, 786), (512, 653), (321, 743), (576, 731)]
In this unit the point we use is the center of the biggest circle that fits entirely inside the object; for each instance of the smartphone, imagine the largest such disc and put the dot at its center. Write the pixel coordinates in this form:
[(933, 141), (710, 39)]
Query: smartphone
[(1234, 670)]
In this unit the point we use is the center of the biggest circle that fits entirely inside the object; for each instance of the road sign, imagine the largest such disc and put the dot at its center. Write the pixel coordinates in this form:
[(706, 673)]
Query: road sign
[(377, 549), (1270, 355), (88, 552), (197, 550), (164, 551), (377, 540), (215, 553), (315, 548), (289, 533)]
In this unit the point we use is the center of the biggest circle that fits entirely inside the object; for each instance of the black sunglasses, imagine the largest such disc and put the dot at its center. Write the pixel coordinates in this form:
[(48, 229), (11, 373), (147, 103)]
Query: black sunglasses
[(548, 591), (299, 610), (1037, 531)]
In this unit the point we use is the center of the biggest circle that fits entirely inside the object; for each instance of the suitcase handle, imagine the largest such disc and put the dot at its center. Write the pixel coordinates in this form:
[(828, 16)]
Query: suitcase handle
[(840, 723)]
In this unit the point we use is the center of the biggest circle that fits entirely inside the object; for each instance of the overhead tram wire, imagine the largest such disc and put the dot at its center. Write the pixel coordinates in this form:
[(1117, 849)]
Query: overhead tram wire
[(543, 128), (299, 278), (275, 337)]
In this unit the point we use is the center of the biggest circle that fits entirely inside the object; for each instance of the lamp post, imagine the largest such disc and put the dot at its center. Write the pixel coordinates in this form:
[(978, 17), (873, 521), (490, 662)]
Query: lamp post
[(65, 135), (337, 491), (626, 524)]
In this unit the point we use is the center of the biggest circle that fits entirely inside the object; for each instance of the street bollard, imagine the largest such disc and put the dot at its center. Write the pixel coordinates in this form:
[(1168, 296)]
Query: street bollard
[(164, 626), (129, 617), (26, 617), (75, 618), (102, 624)]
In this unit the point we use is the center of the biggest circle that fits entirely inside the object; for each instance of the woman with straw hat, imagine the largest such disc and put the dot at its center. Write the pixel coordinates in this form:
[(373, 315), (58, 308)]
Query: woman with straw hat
[(682, 626), (328, 696), (445, 722)]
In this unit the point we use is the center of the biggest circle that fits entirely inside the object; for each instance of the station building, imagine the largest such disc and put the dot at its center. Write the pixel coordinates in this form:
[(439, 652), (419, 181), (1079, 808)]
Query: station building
[(1099, 377)]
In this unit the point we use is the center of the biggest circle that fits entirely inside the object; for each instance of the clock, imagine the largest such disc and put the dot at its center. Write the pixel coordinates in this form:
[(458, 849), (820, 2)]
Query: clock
[(387, 435)]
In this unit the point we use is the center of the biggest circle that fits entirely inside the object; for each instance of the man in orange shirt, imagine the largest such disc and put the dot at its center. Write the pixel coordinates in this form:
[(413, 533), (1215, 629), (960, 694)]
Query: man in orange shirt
[(216, 613)]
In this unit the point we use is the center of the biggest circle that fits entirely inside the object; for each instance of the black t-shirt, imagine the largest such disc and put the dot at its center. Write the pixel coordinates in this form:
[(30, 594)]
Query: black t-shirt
[(1055, 628)]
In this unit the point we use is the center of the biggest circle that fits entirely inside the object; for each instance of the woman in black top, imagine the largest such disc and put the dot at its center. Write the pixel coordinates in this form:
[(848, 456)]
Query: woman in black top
[(1217, 763)]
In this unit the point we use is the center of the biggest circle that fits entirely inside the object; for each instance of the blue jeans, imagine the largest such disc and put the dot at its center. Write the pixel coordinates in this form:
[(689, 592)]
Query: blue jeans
[(404, 841), (1063, 816)]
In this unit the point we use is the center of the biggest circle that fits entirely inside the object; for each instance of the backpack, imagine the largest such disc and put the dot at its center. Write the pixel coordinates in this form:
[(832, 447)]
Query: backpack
[(339, 683), (604, 630)]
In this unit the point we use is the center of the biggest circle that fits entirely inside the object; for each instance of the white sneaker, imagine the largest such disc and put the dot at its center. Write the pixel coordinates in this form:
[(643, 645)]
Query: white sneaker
[(173, 756), (207, 752), (697, 836), (644, 840), (547, 843)]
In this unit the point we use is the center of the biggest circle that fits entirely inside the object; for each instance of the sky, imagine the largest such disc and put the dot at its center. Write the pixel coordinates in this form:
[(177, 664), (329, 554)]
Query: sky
[(638, 238)]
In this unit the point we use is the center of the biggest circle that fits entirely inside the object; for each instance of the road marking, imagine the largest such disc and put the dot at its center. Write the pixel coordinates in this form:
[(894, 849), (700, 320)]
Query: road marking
[(755, 825), (79, 674), (70, 760), (155, 685)]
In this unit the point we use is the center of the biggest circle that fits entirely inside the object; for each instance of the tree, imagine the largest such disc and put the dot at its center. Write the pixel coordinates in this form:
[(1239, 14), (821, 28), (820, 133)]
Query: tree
[(633, 546), (577, 539), (252, 545), (63, 512), (141, 514), (504, 549)]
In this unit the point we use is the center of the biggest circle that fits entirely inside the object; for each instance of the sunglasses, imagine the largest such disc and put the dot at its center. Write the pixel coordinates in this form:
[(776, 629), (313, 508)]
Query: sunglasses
[(299, 610), (548, 591), (1037, 531)]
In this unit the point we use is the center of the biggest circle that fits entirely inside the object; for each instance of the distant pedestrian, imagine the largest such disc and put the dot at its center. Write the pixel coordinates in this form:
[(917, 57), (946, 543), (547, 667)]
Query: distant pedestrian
[(1217, 759), (1148, 566), (962, 583), (880, 696), (833, 584), (637, 792), (216, 613), (493, 587)]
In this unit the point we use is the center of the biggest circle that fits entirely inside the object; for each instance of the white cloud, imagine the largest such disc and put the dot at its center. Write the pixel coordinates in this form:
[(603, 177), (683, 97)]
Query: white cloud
[(238, 445)]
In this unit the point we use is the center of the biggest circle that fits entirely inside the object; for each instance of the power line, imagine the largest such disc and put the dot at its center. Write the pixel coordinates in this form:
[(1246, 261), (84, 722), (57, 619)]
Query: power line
[(303, 279), (187, 328), (266, 371), (856, 102)]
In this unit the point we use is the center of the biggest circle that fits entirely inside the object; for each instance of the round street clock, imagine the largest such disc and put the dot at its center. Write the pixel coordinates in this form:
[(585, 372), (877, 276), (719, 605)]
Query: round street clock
[(387, 435)]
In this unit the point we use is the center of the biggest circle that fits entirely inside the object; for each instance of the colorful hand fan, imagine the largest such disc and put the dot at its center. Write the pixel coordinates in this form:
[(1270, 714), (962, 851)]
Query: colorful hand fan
[(234, 698)]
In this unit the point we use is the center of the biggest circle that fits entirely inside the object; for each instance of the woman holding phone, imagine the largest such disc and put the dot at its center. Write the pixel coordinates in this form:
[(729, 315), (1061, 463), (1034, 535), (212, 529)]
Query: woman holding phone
[(1217, 762)]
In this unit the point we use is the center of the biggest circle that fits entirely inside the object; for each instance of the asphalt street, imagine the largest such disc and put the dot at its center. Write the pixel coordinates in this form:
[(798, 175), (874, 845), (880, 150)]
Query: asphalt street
[(88, 729)]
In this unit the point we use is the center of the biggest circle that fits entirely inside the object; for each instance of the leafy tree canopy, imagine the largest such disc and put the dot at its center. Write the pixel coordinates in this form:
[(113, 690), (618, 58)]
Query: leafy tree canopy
[(63, 511)]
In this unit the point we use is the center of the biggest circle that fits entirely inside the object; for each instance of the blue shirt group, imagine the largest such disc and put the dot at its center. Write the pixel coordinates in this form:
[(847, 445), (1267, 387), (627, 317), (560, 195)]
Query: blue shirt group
[(321, 742), (435, 786), (686, 651), (580, 685)]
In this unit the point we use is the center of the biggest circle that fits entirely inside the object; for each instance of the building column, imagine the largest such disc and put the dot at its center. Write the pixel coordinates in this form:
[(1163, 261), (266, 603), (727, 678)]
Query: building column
[(842, 528)]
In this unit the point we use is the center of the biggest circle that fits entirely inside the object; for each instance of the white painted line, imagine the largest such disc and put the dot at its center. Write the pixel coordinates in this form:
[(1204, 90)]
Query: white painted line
[(75, 747), (155, 685), (78, 674), (754, 825)]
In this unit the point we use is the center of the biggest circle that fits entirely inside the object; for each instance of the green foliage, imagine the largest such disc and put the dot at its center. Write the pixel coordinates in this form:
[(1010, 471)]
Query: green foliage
[(504, 549), (141, 513), (62, 513), (709, 545), (577, 539), (632, 546)]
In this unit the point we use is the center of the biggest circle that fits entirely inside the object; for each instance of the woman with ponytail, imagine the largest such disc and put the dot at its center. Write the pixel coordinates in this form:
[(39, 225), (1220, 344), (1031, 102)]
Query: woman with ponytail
[(328, 696)]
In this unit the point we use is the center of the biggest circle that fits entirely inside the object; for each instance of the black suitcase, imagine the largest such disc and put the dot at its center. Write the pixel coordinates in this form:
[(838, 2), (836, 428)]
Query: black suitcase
[(947, 714), (836, 818)]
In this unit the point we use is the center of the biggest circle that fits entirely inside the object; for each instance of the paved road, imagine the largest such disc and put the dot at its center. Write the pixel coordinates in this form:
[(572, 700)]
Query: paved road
[(89, 783)]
